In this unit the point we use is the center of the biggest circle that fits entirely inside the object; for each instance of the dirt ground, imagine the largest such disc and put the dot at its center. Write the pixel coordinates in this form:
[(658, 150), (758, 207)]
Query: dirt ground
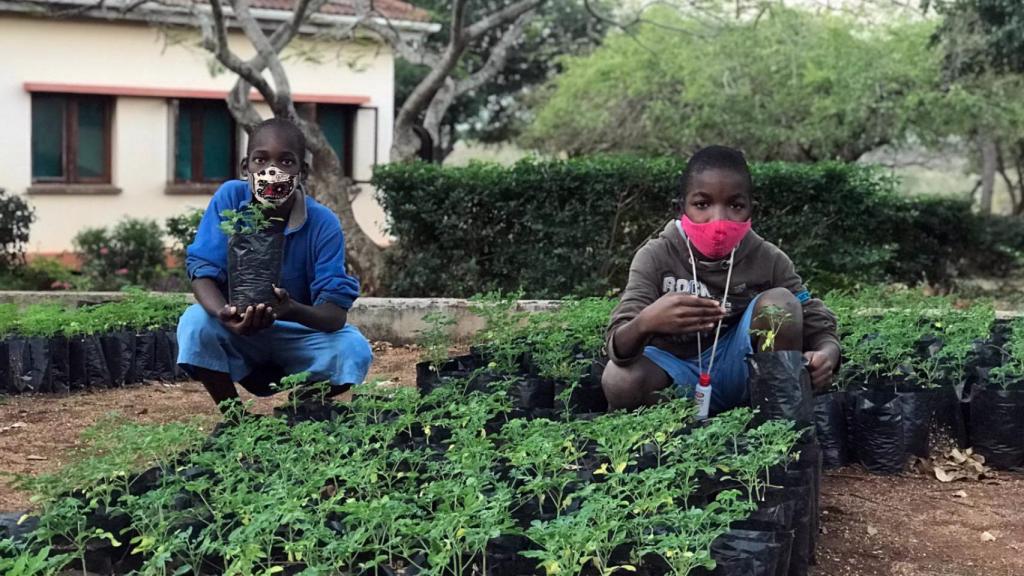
[(910, 525)]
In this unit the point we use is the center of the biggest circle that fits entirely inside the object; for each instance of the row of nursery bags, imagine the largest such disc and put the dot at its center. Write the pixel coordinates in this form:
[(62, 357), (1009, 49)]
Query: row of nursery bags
[(885, 429), (64, 363)]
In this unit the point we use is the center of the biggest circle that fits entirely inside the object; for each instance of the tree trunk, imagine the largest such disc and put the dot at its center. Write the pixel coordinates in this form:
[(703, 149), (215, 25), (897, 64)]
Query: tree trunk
[(989, 165), (406, 145)]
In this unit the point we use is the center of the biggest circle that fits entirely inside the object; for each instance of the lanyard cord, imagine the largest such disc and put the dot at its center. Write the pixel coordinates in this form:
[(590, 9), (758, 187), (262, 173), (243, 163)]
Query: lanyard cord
[(725, 298)]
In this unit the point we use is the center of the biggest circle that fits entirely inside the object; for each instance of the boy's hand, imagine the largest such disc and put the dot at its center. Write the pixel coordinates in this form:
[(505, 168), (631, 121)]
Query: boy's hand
[(283, 309), (251, 321), (821, 364), (677, 313)]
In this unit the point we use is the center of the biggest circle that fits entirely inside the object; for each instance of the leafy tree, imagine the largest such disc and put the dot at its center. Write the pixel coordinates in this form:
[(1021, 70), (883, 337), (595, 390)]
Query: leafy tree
[(789, 85), (982, 35), (982, 43)]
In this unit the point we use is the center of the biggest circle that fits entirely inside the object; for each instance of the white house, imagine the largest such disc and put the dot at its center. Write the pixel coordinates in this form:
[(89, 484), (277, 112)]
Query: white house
[(107, 113)]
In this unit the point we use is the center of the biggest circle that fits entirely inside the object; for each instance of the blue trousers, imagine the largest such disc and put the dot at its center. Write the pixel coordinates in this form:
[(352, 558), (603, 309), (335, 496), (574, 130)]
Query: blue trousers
[(728, 378), (341, 357)]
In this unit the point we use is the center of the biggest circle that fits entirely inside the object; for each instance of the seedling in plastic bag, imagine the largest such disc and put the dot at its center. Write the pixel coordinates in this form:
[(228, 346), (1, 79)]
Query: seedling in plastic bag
[(436, 338), (248, 220), (776, 318)]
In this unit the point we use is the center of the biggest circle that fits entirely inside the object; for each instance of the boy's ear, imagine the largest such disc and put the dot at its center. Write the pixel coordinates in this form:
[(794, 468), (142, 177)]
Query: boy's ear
[(304, 171), (243, 168)]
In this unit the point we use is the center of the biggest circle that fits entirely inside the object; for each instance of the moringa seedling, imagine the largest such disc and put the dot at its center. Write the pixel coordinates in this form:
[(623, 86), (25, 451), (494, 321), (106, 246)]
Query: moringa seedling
[(248, 220), (776, 318), (436, 338)]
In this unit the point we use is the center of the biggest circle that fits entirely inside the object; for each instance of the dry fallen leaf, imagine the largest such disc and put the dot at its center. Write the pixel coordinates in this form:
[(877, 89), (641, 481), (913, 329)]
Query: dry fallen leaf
[(957, 465), (987, 537), (872, 530), (960, 494), (948, 476), (35, 457)]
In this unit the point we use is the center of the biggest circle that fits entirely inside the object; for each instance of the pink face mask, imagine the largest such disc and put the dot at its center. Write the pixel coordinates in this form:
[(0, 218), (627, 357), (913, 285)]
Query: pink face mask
[(717, 238)]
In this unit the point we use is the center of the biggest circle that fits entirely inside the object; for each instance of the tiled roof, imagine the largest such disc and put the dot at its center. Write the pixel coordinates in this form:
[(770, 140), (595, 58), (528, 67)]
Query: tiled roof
[(392, 9), (395, 9)]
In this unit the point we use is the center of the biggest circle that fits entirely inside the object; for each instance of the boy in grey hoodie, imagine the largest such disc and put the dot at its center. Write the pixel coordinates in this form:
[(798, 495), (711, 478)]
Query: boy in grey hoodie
[(663, 332)]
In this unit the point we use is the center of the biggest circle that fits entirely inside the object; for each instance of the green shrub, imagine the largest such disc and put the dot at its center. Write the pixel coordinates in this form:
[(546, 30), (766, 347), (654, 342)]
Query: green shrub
[(16, 217), (182, 228), (132, 253), (555, 228)]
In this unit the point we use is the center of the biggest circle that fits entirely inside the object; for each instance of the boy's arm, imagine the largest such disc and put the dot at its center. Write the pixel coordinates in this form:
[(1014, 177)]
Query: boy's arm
[(333, 291), (206, 256), (325, 317), (642, 313)]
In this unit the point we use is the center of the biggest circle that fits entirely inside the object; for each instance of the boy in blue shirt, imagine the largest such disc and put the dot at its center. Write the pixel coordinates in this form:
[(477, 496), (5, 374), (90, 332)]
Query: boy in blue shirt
[(306, 329)]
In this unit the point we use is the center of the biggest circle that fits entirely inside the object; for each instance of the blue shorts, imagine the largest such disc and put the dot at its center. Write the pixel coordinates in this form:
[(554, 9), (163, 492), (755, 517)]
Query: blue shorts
[(341, 357), (728, 377)]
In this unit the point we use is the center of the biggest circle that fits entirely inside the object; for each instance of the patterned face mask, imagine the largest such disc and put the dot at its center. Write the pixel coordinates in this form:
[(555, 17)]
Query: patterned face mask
[(272, 186)]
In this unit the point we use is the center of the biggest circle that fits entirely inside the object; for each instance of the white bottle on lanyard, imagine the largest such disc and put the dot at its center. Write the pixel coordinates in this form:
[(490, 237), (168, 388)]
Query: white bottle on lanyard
[(702, 396), (702, 391)]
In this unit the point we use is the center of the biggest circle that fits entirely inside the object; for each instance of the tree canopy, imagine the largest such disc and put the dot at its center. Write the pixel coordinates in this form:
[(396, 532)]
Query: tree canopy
[(789, 85)]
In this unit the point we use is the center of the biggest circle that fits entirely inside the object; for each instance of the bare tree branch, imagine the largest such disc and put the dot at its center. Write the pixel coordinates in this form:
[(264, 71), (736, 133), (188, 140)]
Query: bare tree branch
[(496, 59), (458, 21), (217, 43), (413, 54), (280, 99), (500, 18)]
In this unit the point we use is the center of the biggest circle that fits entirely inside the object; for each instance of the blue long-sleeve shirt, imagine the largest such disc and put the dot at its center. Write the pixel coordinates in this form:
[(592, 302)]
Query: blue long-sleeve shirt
[(313, 266)]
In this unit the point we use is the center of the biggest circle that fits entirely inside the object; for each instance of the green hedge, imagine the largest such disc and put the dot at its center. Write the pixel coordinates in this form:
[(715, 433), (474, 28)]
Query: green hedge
[(555, 228)]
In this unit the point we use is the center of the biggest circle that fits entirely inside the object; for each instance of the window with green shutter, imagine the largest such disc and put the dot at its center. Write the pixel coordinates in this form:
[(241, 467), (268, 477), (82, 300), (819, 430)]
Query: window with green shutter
[(337, 122), (71, 138), (204, 142)]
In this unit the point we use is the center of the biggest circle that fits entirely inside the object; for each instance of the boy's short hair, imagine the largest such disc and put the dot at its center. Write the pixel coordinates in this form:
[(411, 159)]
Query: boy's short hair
[(284, 127), (715, 158)]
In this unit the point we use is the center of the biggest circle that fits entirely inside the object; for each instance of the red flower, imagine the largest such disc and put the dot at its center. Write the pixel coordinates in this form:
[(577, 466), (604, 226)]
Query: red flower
[(104, 251), (121, 272)]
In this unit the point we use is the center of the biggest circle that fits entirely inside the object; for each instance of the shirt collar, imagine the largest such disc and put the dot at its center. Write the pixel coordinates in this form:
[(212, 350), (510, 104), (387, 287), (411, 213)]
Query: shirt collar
[(297, 217)]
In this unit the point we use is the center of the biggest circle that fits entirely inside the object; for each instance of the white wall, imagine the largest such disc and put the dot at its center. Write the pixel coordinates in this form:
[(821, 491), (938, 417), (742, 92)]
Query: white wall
[(130, 55)]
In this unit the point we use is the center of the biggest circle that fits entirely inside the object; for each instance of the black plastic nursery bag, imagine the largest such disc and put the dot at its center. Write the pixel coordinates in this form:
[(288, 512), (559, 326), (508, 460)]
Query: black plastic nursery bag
[(165, 358), (587, 396), (830, 427), (145, 357), (799, 486), (532, 393), (118, 349), (888, 427), (77, 379), (950, 407), (60, 365), (88, 364), (762, 547), (5, 366), (172, 340), (429, 377), (780, 387), (28, 365), (997, 427), (254, 268)]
